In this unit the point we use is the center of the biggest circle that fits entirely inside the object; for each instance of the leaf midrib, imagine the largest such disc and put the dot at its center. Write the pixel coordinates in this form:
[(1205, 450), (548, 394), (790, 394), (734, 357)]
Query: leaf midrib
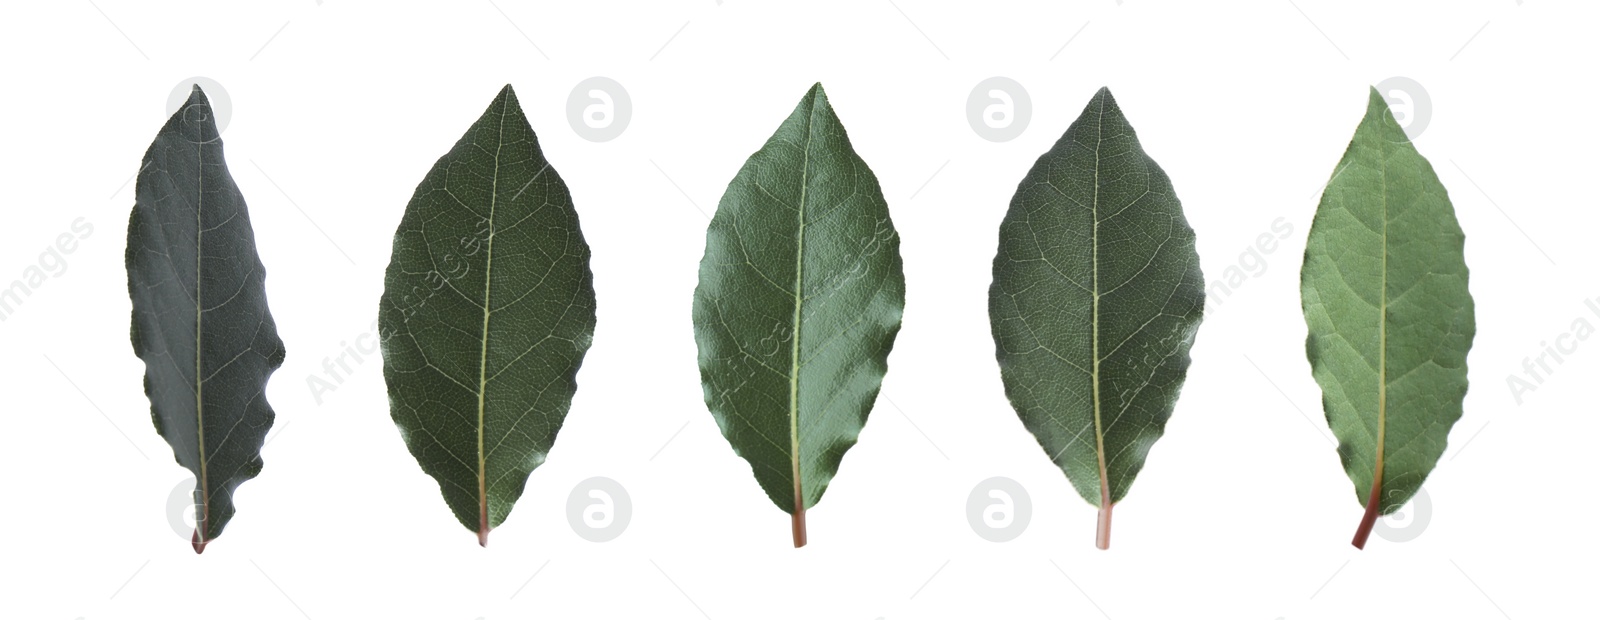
[(199, 316), (794, 345), (483, 351), (1094, 269), (1383, 331)]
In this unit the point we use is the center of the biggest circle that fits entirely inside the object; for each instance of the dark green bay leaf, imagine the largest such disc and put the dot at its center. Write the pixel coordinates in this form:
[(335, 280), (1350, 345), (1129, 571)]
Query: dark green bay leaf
[(487, 310), (1390, 320), (200, 318), (1096, 299), (800, 296)]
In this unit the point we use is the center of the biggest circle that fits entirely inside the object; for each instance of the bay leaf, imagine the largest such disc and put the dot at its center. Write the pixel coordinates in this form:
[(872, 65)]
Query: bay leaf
[(200, 317), (1096, 299), (1388, 314), (800, 297), (487, 311)]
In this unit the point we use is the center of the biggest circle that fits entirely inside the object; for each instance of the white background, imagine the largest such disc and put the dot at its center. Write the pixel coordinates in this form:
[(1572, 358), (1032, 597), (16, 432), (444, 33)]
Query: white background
[(1243, 510)]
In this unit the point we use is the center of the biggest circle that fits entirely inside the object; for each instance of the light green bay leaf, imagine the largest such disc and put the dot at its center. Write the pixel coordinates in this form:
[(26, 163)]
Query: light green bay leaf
[(1390, 320), (800, 296), (1096, 299), (487, 310)]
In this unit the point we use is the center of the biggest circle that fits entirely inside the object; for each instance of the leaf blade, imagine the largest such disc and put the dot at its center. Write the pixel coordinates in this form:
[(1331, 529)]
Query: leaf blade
[(1388, 313), (487, 311), (200, 319), (1077, 272), (780, 294)]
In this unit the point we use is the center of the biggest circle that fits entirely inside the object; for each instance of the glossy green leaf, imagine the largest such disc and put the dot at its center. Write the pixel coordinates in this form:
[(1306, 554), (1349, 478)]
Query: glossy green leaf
[(200, 318), (799, 301), (1384, 289), (1096, 298), (488, 308)]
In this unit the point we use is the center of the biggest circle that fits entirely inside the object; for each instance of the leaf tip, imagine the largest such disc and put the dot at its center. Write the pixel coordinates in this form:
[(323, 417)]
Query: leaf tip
[(197, 96), (1379, 113), (815, 99), (1102, 103), (817, 94), (1376, 100), (508, 95)]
